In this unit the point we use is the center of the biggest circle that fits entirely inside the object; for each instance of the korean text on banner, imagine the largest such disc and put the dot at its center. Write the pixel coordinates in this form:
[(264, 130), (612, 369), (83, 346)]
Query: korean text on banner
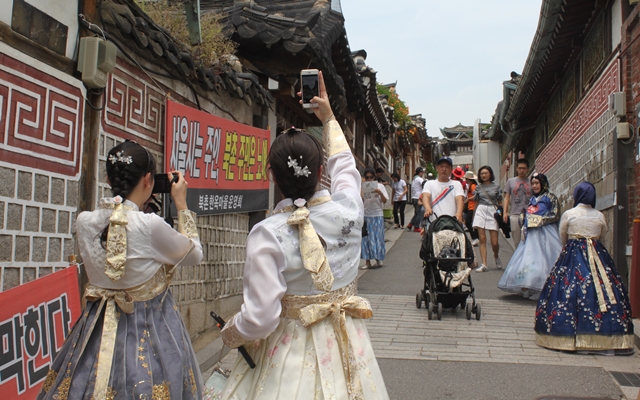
[(35, 320), (225, 162)]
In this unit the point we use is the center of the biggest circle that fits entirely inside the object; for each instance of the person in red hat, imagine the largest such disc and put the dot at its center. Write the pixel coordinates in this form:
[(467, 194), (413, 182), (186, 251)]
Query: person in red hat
[(458, 175)]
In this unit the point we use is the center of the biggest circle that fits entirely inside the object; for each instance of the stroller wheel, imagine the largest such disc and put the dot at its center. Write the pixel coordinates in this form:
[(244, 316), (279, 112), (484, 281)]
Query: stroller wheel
[(467, 310), (419, 300), (430, 310), (478, 312), (439, 313)]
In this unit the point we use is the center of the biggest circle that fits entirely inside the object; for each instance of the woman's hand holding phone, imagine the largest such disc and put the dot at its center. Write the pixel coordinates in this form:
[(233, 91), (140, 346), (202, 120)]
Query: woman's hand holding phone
[(178, 190), (323, 111)]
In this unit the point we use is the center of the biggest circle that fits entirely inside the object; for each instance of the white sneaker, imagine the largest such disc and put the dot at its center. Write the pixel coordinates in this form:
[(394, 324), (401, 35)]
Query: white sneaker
[(380, 264), (498, 263), (364, 267), (482, 268), (475, 242)]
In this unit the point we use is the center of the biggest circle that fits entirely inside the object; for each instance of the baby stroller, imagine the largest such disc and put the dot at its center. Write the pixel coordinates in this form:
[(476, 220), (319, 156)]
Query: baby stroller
[(446, 253)]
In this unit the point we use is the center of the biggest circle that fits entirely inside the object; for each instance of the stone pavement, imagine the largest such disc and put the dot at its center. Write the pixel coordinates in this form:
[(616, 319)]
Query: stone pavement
[(493, 354)]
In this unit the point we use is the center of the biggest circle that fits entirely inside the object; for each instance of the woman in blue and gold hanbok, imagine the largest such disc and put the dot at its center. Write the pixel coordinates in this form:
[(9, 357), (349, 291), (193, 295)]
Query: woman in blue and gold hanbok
[(535, 255), (130, 342), (584, 305)]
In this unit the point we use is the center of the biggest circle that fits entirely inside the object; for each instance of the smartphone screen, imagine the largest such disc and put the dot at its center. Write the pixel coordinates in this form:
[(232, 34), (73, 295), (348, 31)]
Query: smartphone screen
[(309, 87)]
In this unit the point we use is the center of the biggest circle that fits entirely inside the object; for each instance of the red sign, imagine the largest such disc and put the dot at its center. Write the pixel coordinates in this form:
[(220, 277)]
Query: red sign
[(225, 162), (35, 319)]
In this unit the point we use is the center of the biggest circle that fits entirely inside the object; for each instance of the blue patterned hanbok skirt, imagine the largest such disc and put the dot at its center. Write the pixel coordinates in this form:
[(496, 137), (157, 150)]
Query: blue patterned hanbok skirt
[(152, 355), (569, 315), (373, 244), (532, 261)]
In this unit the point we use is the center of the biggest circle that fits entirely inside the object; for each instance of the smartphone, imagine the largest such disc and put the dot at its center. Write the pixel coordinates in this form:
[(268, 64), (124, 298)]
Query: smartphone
[(162, 184), (310, 87)]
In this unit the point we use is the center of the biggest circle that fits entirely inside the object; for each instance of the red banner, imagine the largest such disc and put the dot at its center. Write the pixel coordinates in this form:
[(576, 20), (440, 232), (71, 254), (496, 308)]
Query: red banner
[(35, 319), (225, 162)]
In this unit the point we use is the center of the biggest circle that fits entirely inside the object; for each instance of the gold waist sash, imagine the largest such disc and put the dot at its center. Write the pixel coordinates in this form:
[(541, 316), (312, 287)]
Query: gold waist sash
[(598, 274), (125, 299), (335, 305)]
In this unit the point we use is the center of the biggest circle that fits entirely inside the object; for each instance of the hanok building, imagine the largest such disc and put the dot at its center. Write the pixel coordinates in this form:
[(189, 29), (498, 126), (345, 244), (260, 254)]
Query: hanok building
[(276, 40), (560, 116), (458, 144)]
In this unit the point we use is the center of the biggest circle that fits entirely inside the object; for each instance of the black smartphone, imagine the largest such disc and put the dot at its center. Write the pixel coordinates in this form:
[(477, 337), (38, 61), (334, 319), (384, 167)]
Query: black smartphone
[(162, 184), (310, 87)]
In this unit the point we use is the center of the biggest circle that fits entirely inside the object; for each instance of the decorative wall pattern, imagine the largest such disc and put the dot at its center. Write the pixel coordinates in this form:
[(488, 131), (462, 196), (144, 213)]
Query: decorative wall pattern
[(41, 127), (133, 105), (41, 119)]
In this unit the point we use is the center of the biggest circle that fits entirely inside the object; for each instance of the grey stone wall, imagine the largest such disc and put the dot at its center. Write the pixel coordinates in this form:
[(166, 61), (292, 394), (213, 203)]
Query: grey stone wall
[(590, 158), (37, 214)]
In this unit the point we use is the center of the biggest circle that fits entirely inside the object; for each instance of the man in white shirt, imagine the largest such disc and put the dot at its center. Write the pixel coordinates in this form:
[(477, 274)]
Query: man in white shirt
[(443, 196), (416, 192)]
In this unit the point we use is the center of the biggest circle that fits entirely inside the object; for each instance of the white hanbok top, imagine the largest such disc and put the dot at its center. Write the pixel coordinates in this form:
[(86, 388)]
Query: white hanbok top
[(584, 221), (151, 242), (274, 266)]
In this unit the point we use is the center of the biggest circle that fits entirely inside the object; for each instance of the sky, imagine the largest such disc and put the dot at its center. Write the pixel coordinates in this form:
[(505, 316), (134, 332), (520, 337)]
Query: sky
[(449, 57)]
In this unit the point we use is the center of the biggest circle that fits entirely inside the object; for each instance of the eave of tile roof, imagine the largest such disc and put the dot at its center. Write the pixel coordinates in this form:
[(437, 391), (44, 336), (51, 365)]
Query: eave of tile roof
[(133, 29), (305, 32)]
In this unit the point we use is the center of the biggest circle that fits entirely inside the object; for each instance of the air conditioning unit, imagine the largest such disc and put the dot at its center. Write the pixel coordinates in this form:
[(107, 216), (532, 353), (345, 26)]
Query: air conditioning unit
[(618, 104), (96, 59)]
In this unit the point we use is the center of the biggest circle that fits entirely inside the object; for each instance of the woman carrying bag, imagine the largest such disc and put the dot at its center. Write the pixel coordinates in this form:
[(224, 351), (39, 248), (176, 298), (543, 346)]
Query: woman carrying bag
[(488, 198)]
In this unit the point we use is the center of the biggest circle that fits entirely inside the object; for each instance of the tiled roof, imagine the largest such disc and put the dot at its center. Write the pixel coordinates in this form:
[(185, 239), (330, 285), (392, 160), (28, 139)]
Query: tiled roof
[(281, 37), (137, 33)]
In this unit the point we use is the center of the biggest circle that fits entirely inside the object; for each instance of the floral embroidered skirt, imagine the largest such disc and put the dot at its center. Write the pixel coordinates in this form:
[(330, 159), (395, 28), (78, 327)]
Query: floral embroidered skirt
[(569, 317), (532, 261), (152, 357), (300, 363), (373, 244)]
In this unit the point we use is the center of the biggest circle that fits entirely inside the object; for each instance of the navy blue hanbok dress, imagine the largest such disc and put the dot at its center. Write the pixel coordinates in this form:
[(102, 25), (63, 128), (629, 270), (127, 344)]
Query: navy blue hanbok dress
[(584, 305)]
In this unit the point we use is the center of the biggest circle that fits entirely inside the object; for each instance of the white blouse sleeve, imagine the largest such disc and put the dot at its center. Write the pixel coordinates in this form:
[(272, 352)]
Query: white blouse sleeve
[(169, 246), (344, 174), (263, 287), (564, 228)]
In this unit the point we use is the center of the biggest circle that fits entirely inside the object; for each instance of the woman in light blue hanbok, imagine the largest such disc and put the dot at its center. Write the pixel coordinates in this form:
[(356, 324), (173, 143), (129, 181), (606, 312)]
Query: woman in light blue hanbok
[(532, 261)]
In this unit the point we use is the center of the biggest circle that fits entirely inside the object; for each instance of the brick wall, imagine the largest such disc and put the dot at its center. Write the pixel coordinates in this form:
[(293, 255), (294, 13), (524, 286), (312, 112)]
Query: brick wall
[(36, 223), (582, 149), (630, 50), (42, 113)]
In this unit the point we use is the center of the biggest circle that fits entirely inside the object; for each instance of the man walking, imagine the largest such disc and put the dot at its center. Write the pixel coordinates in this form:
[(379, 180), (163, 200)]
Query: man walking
[(443, 196), (517, 193), (416, 192)]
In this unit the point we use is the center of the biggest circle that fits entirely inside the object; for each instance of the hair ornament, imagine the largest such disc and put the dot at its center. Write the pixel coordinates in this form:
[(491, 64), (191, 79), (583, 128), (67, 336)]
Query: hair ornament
[(120, 157), (300, 202), (298, 170)]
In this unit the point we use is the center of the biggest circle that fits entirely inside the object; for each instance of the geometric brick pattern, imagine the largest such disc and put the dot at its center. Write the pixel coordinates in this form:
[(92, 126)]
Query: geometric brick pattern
[(41, 127), (37, 215)]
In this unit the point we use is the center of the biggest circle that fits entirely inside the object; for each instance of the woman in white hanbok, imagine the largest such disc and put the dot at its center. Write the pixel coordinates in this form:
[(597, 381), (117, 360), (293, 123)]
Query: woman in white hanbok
[(301, 321)]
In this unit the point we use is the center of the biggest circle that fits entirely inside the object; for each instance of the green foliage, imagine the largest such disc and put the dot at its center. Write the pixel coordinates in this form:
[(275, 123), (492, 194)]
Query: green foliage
[(400, 109), (430, 168), (170, 15)]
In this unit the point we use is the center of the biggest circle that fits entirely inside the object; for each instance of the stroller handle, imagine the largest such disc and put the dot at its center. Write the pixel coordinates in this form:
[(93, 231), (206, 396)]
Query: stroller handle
[(457, 259)]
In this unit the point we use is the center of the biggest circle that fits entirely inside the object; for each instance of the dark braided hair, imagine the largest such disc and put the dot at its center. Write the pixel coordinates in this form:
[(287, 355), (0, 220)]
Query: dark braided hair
[(123, 175), (296, 143)]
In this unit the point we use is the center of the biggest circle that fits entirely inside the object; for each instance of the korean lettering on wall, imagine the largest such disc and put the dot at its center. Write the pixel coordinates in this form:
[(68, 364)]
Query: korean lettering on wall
[(35, 320), (225, 162)]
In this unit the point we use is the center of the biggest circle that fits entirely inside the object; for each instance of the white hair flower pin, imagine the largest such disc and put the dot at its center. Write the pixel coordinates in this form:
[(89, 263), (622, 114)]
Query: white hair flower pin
[(119, 157), (298, 170), (300, 202)]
